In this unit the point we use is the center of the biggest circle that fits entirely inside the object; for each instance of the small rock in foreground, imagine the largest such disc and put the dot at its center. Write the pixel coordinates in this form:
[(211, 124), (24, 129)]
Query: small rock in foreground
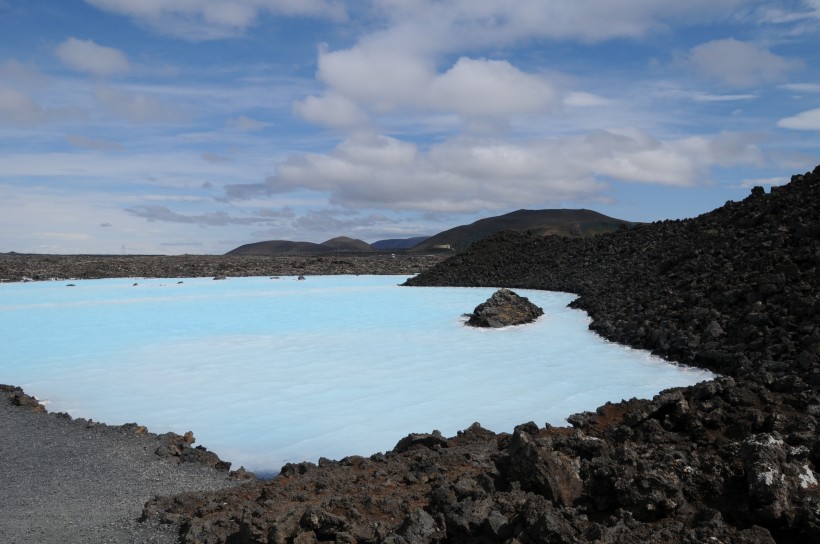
[(503, 309)]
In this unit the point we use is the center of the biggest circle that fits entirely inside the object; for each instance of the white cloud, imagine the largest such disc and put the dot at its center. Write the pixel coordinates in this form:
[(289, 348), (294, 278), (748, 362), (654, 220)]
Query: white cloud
[(708, 97), (581, 99), (367, 79), (667, 90), (739, 64), (807, 120), (87, 56), (772, 14), (471, 174), (137, 107), (802, 87), (66, 219), (245, 124), (19, 108), (20, 74), (213, 158), (633, 156), (796, 18), (331, 110), (213, 19), (459, 23), (212, 219), (406, 67), (490, 88), (171, 169), (84, 142), (380, 78)]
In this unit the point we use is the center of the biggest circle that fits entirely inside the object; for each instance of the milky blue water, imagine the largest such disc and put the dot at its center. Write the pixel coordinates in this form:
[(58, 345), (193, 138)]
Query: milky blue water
[(267, 371)]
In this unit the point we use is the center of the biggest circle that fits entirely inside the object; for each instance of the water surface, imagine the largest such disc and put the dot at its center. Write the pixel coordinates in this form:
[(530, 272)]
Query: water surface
[(267, 371)]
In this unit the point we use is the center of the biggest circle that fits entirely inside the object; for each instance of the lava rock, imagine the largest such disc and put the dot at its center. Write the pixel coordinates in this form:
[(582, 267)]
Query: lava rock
[(544, 471), (504, 308), (17, 397), (734, 459), (433, 440), (26, 267)]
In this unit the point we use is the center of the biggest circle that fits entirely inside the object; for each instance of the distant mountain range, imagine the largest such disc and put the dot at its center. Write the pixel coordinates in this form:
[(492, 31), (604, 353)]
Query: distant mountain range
[(286, 247), (398, 244), (561, 222)]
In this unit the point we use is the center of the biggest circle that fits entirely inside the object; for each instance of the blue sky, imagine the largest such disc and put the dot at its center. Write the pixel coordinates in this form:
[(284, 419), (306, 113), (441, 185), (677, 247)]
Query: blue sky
[(194, 126)]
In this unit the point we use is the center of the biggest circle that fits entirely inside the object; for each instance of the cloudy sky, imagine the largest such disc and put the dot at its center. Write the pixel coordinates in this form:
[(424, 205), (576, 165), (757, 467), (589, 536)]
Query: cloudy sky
[(194, 126)]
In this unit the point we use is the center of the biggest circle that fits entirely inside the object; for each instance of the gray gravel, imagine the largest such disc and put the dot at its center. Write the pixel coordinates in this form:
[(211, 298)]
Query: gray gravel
[(71, 481)]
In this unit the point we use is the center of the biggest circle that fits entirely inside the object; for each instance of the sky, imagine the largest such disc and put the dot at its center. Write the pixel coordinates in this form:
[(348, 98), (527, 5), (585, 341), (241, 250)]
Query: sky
[(196, 126)]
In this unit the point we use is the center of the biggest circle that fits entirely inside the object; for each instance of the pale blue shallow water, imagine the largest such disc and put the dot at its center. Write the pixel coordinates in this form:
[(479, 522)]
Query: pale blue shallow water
[(267, 371)]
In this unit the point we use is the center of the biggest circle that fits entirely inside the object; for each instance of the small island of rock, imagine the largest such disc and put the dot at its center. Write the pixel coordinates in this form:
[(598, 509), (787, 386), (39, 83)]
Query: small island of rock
[(503, 309)]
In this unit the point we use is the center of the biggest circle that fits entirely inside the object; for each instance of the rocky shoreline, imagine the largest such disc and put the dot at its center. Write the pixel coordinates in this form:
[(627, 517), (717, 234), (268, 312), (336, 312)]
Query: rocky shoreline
[(25, 267), (730, 460), (76, 481)]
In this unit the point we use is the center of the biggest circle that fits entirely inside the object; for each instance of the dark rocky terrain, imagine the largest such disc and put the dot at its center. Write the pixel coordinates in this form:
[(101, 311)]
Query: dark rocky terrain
[(730, 460), (733, 460), (503, 309), (18, 267)]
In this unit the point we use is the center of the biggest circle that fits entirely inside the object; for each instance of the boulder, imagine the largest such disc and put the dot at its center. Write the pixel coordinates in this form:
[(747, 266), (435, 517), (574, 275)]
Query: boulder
[(421, 440), (503, 309), (544, 471)]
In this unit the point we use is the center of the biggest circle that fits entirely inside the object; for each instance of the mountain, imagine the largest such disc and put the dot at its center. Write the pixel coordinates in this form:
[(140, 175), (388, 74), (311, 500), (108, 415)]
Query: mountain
[(285, 247), (572, 223), (276, 247), (398, 243), (343, 243)]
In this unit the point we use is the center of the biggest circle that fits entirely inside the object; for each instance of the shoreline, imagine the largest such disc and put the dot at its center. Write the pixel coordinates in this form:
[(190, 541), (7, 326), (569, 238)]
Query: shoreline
[(734, 459), (73, 480), (109, 472), (266, 461), (15, 267)]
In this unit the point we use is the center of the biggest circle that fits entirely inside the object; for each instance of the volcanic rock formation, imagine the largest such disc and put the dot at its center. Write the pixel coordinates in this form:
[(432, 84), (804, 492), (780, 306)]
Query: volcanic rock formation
[(504, 308), (735, 459)]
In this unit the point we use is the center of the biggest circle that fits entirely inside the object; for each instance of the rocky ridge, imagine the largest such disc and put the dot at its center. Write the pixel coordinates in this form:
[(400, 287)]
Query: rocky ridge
[(730, 460), (21, 267)]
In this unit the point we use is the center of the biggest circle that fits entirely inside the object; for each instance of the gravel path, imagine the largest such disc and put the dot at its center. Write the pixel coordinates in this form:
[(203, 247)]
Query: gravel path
[(70, 481)]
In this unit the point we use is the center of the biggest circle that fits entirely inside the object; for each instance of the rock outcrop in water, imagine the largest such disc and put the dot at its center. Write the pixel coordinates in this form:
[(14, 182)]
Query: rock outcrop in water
[(734, 290), (503, 309), (730, 460)]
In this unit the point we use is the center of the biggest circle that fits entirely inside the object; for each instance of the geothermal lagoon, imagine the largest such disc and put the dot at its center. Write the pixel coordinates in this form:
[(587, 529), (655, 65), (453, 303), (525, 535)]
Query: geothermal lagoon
[(267, 371)]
